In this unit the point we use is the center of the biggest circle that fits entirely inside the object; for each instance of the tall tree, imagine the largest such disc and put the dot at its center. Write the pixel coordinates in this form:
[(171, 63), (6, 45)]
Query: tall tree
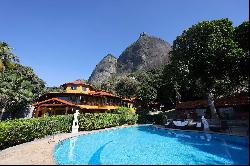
[(242, 35), (18, 87), (207, 53), (126, 87)]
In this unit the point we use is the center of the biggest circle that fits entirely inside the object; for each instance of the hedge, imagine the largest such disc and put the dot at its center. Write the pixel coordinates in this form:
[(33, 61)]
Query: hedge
[(14, 132), (89, 121)]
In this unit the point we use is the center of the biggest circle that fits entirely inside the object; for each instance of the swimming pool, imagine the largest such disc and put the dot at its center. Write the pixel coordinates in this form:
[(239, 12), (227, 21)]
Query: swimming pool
[(150, 145)]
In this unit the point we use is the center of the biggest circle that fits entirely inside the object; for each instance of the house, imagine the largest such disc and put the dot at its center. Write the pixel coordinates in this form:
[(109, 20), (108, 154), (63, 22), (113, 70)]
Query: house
[(233, 107), (80, 96)]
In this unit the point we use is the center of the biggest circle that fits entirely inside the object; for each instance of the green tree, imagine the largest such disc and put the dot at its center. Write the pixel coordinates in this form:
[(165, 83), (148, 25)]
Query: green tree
[(7, 58), (242, 38), (109, 84), (18, 87), (53, 89), (242, 35), (206, 53), (146, 93), (149, 83), (126, 87)]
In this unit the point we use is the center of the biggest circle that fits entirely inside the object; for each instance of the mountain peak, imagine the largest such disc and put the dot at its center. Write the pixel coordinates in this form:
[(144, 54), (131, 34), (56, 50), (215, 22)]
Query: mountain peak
[(148, 52), (110, 56), (143, 34), (105, 68)]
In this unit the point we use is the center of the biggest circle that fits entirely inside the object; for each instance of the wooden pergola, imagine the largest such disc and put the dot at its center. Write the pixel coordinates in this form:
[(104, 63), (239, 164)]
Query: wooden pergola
[(55, 105)]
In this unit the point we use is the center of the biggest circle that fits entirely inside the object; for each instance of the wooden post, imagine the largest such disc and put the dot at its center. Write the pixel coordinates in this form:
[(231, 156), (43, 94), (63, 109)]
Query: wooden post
[(66, 110), (36, 112)]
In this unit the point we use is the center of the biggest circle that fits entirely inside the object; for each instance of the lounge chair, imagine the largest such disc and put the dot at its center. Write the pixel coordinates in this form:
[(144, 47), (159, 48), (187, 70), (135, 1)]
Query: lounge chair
[(181, 124), (169, 123), (199, 126)]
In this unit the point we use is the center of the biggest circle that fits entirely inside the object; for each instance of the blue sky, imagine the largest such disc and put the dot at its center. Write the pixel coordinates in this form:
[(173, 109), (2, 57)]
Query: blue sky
[(63, 40)]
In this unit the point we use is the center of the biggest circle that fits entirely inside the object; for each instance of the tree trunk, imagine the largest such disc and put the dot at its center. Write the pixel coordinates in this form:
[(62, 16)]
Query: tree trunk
[(177, 96), (1, 115), (214, 115)]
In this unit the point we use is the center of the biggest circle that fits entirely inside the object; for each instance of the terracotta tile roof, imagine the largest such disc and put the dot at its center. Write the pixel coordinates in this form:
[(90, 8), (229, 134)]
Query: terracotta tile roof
[(232, 101), (103, 93), (129, 100), (55, 99), (192, 104), (227, 101), (77, 82)]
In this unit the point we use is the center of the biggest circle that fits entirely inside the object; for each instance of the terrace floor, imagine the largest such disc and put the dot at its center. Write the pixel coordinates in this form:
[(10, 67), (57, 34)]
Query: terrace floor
[(238, 131)]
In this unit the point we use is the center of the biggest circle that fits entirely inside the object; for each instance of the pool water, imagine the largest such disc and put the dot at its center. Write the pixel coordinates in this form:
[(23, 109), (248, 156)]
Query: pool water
[(147, 145)]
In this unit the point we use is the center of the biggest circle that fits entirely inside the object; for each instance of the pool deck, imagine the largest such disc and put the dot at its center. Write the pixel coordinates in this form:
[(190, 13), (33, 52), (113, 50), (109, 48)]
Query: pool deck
[(233, 132), (40, 151)]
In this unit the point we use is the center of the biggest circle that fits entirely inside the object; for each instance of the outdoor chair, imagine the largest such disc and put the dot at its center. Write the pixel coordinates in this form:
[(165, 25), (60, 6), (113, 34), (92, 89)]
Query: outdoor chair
[(199, 126), (169, 123), (181, 124), (191, 124)]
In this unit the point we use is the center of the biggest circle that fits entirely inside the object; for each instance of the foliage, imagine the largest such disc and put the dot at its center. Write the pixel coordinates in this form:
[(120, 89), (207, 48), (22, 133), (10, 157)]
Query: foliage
[(14, 132), (122, 110), (146, 119), (109, 84), (205, 58), (93, 121), (18, 87), (7, 58), (150, 83), (242, 35), (53, 89), (146, 93), (126, 87)]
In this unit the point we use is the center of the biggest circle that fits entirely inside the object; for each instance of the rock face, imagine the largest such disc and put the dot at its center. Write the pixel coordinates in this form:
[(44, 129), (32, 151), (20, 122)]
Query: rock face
[(148, 52), (105, 68)]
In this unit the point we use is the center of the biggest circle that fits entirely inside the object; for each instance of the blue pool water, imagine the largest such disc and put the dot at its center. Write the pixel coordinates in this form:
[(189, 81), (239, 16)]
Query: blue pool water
[(149, 145)]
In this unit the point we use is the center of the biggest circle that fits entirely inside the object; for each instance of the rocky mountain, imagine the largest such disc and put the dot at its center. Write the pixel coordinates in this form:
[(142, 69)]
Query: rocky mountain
[(105, 68), (148, 52)]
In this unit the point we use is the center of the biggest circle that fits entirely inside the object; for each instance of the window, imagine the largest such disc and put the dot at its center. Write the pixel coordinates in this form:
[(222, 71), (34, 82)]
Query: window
[(84, 88), (73, 87)]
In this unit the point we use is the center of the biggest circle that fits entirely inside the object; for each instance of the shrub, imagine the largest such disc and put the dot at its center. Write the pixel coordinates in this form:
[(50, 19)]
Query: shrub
[(122, 110), (93, 121), (14, 132)]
